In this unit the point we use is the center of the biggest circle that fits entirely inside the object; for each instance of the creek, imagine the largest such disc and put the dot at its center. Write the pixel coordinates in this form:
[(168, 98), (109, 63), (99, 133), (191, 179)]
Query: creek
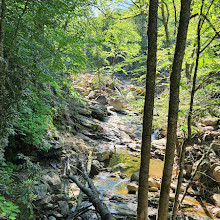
[(113, 186)]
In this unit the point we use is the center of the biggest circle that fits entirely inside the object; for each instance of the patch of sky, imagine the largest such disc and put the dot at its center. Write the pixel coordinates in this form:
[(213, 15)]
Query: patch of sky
[(113, 5)]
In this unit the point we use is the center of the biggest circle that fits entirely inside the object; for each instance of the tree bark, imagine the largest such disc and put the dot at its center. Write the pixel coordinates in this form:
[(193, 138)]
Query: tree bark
[(194, 77), (173, 108), (92, 194), (2, 29), (142, 211)]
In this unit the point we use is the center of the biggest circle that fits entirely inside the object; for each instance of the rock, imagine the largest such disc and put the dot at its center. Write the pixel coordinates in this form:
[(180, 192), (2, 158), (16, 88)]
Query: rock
[(153, 189), (53, 213), (121, 198), (40, 191), (95, 167), (132, 188), (125, 138), (92, 95), (135, 176), (216, 174), (122, 175), (102, 100), (216, 199), (99, 111), (104, 154), (120, 166), (134, 147), (128, 131), (53, 180), (207, 137), (210, 121), (83, 111), (117, 103), (216, 212), (207, 129), (51, 218), (59, 197), (153, 183), (45, 200), (64, 208), (159, 144)]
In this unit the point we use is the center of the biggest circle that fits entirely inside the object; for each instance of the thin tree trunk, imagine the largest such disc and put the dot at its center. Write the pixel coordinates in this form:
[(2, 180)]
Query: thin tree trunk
[(16, 30), (142, 211), (173, 109), (180, 180), (2, 29), (194, 78)]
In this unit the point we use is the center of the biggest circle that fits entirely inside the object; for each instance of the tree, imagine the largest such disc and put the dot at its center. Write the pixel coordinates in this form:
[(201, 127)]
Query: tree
[(142, 212), (173, 108)]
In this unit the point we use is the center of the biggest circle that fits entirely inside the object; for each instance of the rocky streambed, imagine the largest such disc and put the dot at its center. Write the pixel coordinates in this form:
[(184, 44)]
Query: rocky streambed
[(99, 129)]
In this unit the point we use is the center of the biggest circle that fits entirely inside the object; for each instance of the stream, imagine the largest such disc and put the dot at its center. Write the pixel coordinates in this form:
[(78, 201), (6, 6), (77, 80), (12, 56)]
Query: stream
[(112, 186)]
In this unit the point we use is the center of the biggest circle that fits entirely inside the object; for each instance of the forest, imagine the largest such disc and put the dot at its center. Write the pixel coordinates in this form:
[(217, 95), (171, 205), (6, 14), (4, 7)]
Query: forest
[(109, 109)]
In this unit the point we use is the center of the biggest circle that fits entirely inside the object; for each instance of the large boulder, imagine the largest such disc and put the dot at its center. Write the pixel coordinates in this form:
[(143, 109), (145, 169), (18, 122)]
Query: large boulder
[(102, 99), (98, 111), (40, 191), (53, 180), (132, 188), (210, 121), (117, 103), (103, 153), (64, 208), (95, 167)]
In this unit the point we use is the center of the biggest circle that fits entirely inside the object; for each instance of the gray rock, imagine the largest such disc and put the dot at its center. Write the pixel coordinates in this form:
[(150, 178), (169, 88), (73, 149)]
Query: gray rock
[(132, 188), (51, 218), (120, 166), (45, 200), (83, 111), (95, 167), (135, 176), (60, 197), (53, 180), (104, 154), (99, 111), (102, 100), (64, 208), (40, 191)]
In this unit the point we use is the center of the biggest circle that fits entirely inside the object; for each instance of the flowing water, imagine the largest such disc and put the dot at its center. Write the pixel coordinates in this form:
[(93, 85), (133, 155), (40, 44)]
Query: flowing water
[(113, 189)]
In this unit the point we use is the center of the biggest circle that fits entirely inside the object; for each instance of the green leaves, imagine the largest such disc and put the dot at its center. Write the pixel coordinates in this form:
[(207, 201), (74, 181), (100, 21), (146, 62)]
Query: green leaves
[(8, 209)]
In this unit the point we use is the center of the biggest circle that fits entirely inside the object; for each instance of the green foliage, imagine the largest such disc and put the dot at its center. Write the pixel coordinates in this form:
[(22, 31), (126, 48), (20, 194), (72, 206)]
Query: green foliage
[(16, 188), (8, 209)]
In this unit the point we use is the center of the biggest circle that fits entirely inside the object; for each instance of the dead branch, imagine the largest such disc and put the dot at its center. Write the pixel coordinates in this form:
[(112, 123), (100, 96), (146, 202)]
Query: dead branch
[(92, 194)]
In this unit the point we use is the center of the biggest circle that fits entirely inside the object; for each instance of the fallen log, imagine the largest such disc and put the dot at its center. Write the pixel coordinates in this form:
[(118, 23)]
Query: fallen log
[(92, 194)]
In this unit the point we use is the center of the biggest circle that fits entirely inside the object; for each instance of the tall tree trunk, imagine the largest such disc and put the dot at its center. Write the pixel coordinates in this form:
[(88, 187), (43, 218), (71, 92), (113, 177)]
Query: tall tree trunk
[(194, 83), (16, 30), (2, 74), (173, 108), (142, 211), (2, 29)]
